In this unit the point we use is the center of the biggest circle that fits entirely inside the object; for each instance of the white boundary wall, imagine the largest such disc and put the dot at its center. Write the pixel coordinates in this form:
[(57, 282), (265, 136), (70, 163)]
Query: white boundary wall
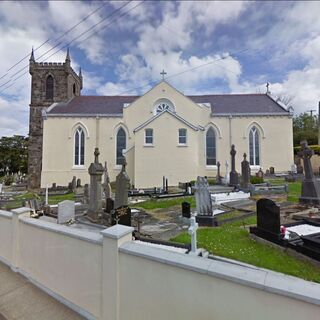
[(109, 276)]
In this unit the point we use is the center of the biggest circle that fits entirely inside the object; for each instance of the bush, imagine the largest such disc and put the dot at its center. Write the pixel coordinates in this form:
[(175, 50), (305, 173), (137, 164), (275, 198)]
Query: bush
[(256, 180), (7, 180), (315, 148)]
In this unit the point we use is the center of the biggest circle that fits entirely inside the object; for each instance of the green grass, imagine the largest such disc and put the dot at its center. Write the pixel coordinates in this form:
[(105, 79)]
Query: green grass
[(232, 241), (294, 188), (30, 195), (165, 203)]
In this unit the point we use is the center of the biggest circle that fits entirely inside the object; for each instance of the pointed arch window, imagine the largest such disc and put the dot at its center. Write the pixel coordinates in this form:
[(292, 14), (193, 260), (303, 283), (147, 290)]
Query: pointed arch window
[(79, 147), (121, 145), (254, 146), (211, 159), (49, 87)]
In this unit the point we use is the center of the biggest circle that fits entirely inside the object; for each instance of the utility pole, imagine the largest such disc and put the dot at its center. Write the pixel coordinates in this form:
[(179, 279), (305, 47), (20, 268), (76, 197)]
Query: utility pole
[(311, 112), (319, 123)]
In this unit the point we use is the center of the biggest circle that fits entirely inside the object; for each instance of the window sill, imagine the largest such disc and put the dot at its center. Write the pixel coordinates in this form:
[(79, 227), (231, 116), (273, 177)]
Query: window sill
[(148, 145), (117, 167), (182, 145), (79, 168), (255, 167), (211, 167)]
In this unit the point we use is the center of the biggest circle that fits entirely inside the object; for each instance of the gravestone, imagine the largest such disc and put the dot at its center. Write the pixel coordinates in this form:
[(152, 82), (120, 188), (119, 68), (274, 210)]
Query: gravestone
[(227, 177), (122, 186), (268, 220), (74, 183), (310, 190), (109, 205), (203, 203), (1, 186), (186, 212), (245, 173), (121, 215), (294, 168), (78, 183), (299, 166), (218, 179), (193, 233), (259, 174), (271, 170), (66, 211), (234, 179), (95, 200), (86, 194), (106, 183)]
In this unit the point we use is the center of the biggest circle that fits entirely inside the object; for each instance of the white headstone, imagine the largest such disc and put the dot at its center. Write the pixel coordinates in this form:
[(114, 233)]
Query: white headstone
[(294, 168), (47, 196), (227, 176), (66, 211), (193, 233)]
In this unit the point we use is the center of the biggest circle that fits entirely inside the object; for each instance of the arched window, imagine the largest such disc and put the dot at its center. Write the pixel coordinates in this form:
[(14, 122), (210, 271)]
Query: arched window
[(49, 87), (254, 146), (79, 147), (163, 105), (121, 145), (211, 147)]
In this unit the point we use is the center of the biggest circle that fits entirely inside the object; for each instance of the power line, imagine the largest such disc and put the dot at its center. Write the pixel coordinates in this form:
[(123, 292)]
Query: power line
[(187, 70), (68, 44), (115, 11), (61, 36)]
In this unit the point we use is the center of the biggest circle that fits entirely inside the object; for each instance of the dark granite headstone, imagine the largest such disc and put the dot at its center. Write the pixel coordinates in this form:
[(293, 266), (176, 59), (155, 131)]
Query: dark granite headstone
[(245, 173), (54, 185), (234, 178), (310, 190), (121, 215), (109, 205), (186, 212), (271, 170), (78, 183), (268, 219), (74, 183)]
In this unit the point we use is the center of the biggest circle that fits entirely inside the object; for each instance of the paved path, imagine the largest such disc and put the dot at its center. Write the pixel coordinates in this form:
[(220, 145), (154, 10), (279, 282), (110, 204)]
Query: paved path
[(19, 299)]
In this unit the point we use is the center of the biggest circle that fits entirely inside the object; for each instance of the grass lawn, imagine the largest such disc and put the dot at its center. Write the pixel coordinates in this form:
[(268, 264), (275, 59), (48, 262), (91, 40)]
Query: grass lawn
[(30, 195), (232, 241), (165, 203)]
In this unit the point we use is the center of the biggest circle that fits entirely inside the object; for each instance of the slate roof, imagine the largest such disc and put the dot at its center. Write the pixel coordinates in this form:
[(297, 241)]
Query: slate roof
[(220, 104)]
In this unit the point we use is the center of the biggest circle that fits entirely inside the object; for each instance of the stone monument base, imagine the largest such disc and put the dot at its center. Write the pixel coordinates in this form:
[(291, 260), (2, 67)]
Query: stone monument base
[(94, 217), (206, 221), (309, 200)]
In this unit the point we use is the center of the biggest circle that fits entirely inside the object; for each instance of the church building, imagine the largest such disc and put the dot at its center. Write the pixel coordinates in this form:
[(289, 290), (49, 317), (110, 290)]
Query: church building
[(163, 132)]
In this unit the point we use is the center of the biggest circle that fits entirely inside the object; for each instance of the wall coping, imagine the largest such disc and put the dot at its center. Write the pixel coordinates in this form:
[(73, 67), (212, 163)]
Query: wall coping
[(117, 231), (230, 270), (6, 214), (21, 210), (88, 236)]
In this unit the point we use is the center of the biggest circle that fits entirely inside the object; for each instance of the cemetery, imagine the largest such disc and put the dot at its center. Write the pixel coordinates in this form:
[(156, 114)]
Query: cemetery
[(273, 224)]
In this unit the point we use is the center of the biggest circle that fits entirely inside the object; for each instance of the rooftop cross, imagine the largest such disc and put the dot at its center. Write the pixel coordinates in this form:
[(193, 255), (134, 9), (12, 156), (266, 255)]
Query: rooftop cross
[(268, 84), (163, 73)]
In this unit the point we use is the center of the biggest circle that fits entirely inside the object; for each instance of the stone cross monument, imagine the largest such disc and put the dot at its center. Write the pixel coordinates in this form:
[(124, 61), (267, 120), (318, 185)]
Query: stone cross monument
[(245, 173), (310, 191), (106, 182), (95, 200), (234, 179), (122, 186)]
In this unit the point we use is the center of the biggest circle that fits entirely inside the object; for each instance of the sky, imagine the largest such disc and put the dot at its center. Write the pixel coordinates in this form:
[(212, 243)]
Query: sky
[(121, 47)]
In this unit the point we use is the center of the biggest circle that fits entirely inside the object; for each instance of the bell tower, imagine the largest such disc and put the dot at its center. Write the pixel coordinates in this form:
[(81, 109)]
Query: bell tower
[(50, 82)]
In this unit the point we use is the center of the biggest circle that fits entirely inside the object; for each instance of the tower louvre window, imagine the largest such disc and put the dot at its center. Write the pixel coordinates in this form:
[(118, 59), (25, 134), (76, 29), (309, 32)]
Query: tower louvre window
[(49, 88)]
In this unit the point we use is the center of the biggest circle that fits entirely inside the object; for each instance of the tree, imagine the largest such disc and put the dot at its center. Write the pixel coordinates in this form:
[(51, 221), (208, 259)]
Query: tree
[(13, 154), (305, 127)]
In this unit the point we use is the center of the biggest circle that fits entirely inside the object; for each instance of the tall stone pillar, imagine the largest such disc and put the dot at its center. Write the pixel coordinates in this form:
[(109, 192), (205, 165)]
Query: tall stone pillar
[(95, 201)]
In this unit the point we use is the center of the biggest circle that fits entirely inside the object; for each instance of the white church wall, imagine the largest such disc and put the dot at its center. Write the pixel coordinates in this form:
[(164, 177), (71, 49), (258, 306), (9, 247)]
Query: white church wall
[(179, 163)]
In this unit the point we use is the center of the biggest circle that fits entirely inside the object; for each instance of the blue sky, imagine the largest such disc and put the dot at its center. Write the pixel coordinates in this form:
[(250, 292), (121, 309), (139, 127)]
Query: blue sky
[(216, 47)]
